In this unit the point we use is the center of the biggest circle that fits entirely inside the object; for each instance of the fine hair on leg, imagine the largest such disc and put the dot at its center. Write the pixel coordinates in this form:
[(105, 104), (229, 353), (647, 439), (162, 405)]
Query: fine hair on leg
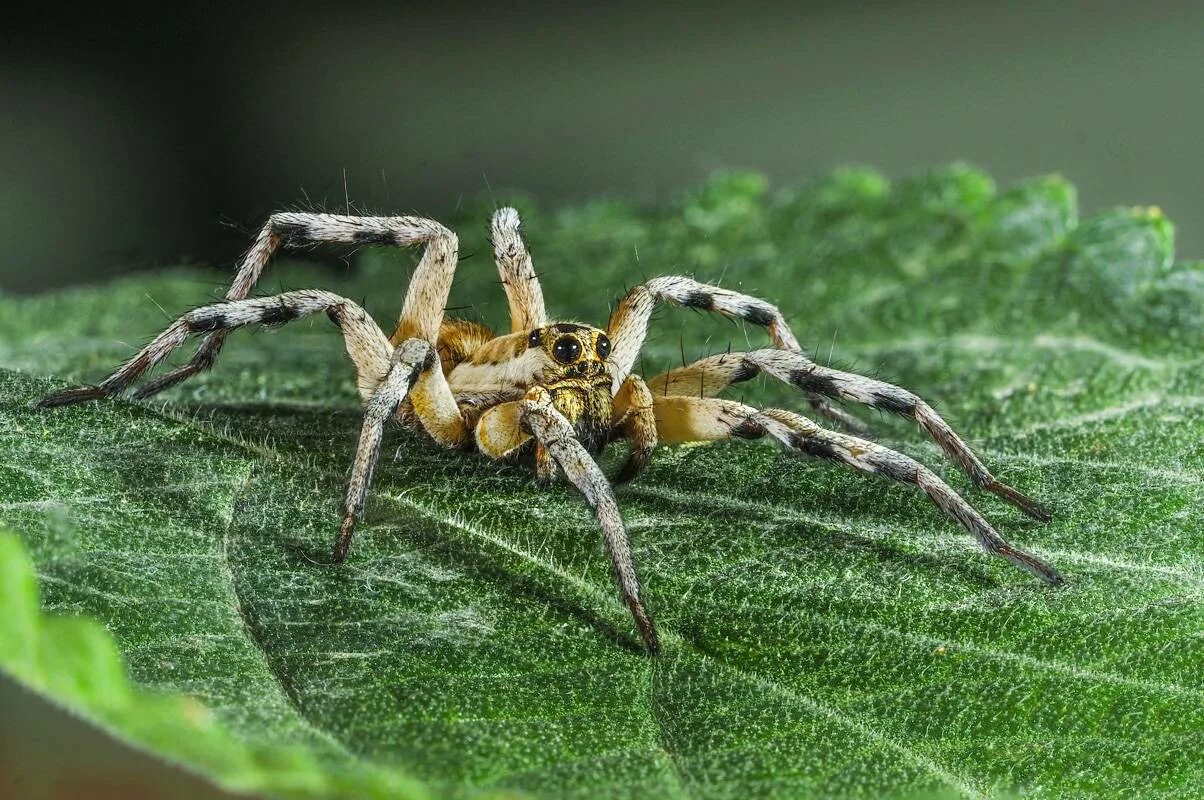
[(788, 363), (411, 359), (709, 419), (424, 302), (553, 431), (523, 292), (628, 326), (365, 342)]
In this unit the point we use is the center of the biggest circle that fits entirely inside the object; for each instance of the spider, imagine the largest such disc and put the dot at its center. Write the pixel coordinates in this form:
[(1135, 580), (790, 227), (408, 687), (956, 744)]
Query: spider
[(556, 392)]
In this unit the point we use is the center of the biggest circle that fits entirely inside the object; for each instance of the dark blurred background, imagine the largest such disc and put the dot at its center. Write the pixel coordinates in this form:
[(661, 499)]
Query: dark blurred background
[(143, 135), (133, 136)]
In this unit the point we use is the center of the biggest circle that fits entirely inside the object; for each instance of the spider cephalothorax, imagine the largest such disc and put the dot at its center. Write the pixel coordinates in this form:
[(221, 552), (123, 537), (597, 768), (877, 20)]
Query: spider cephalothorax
[(559, 391), (577, 378)]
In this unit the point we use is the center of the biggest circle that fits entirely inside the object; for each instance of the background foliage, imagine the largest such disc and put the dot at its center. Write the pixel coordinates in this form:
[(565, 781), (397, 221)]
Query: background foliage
[(827, 633)]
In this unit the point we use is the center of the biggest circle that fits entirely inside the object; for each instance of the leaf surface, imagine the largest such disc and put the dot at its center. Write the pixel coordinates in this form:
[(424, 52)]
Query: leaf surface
[(827, 634)]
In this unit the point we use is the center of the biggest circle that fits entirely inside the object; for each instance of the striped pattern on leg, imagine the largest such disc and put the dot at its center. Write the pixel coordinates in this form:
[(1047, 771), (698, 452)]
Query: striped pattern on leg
[(709, 376), (798, 370), (300, 229), (366, 344), (629, 325), (683, 419), (411, 359), (553, 431)]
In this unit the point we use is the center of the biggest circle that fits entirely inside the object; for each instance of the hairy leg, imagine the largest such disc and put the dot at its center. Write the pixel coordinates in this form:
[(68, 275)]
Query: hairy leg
[(634, 420), (506, 427), (519, 279), (412, 359), (686, 419), (297, 229), (715, 373), (628, 326), (435, 407), (386, 376), (366, 344)]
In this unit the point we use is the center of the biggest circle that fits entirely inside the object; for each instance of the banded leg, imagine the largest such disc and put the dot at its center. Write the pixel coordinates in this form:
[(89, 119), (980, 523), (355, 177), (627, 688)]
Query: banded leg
[(634, 420), (366, 344), (716, 372), (507, 427), (413, 359), (628, 326), (689, 419), (523, 291), (424, 302)]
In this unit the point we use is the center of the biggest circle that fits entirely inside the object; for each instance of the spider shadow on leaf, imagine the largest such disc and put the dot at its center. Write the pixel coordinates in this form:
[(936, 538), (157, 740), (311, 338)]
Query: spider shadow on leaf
[(309, 553), (845, 504), (461, 552)]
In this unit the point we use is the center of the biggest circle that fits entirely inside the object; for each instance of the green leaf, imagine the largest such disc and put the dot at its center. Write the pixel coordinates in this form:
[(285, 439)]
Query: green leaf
[(827, 634)]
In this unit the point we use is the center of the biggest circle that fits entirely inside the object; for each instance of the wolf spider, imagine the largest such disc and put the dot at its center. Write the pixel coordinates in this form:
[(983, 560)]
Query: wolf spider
[(557, 391)]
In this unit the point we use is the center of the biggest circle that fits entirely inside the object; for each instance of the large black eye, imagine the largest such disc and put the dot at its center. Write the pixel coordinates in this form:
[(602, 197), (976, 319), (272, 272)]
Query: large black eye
[(566, 350), (534, 339), (603, 346)]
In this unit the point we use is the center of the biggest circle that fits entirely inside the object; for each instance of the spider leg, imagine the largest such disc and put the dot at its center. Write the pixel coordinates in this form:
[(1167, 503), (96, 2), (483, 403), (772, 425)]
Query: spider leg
[(424, 301), (523, 291), (709, 377), (799, 371), (410, 363), (506, 427), (432, 405), (689, 419), (634, 419), (629, 325), (545, 466), (365, 342)]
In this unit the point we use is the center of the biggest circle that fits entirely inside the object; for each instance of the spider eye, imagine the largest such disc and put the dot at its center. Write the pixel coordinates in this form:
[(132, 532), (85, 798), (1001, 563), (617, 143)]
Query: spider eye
[(535, 338), (603, 346), (566, 349)]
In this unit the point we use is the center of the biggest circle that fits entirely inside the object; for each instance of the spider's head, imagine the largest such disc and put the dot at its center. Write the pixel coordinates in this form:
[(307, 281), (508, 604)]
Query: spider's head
[(574, 353), (577, 376)]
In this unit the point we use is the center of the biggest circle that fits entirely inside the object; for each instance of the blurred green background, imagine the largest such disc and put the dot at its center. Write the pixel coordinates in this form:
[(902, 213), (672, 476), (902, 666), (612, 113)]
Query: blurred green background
[(135, 136), (141, 135)]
